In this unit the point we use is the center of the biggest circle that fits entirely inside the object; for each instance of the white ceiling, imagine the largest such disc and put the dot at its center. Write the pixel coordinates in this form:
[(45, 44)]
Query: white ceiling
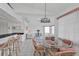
[(32, 12), (5, 17)]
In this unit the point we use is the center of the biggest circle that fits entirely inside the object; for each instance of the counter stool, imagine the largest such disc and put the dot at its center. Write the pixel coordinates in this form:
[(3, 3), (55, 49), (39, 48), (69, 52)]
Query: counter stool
[(4, 49)]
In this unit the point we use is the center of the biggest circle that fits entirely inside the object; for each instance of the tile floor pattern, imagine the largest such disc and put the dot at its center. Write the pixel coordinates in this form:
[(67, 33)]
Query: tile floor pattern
[(27, 49)]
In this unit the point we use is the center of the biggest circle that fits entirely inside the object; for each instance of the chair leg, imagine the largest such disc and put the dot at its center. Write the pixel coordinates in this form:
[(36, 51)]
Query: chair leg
[(43, 53), (40, 53), (34, 53)]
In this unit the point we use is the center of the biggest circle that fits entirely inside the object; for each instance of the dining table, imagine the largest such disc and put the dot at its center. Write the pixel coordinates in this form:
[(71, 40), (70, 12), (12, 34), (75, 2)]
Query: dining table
[(61, 52), (52, 49)]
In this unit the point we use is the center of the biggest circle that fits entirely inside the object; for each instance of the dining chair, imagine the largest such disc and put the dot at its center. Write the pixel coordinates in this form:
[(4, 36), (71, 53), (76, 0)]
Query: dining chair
[(39, 49)]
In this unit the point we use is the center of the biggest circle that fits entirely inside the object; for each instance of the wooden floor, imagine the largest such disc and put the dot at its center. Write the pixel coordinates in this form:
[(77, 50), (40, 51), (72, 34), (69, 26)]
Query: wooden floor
[(27, 48)]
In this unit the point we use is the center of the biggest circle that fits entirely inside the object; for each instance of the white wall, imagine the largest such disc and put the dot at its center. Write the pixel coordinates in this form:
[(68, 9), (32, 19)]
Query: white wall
[(3, 28), (6, 27), (18, 28), (69, 27), (8, 19), (35, 24)]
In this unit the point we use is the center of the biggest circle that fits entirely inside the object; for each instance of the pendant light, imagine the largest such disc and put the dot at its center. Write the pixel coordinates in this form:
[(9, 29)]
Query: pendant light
[(45, 19)]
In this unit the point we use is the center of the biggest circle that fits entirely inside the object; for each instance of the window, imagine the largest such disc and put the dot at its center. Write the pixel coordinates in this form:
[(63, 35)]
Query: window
[(52, 29), (47, 30)]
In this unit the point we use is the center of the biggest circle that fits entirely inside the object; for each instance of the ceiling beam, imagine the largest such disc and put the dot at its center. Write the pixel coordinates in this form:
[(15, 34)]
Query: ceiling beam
[(10, 5), (69, 12)]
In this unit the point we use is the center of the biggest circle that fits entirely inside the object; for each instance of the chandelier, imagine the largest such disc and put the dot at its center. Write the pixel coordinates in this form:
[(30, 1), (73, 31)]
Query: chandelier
[(45, 19)]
